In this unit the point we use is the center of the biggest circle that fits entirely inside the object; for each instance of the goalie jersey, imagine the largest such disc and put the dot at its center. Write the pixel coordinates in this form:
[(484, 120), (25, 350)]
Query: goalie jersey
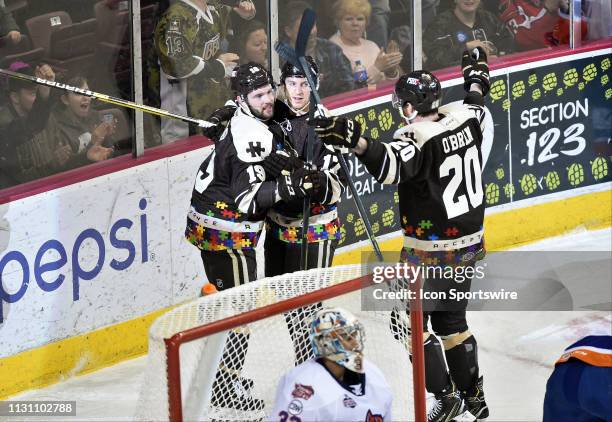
[(438, 168), (309, 392)]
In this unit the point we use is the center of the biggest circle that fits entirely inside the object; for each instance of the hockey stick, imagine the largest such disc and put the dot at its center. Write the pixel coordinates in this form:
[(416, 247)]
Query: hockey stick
[(416, 315), (287, 53), (306, 25), (107, 98)]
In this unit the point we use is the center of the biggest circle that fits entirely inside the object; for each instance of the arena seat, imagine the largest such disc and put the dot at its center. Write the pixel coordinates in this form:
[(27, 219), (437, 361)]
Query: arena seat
[(22, 51), (40, 27), (72, 46)]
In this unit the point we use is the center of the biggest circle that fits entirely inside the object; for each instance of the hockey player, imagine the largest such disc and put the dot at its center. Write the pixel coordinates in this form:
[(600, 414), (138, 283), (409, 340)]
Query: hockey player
[(284, 220), (435, 159), (231, 195), (283, 242), (283, 223), (580, 387), (338, 384), (188, 41)]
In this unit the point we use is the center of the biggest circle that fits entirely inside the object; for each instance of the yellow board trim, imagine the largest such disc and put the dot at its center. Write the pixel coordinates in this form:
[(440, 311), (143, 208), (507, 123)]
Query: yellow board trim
[(89, 352), (78, 355), (520, 226)]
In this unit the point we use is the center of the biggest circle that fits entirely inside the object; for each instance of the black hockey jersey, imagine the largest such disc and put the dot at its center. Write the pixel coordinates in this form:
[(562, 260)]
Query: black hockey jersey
[(284, 220), (231, 194), (438, 166)]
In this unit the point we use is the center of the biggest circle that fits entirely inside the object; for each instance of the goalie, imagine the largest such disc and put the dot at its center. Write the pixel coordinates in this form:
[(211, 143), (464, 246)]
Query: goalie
[(338, 384)]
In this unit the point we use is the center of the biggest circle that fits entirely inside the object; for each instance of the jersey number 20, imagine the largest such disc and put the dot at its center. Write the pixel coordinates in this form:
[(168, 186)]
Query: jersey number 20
[(469, 167)]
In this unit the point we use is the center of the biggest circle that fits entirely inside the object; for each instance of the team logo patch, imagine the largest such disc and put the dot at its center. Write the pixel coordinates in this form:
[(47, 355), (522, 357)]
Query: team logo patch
[(461, 36), (211, 47), (295, 407), (370, 417), (301, 391), (349, 402), (357, 389), (175, 25)]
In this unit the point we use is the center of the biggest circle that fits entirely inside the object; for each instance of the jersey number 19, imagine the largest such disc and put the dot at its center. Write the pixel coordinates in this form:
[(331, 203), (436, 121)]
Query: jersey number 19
[(468, 166)]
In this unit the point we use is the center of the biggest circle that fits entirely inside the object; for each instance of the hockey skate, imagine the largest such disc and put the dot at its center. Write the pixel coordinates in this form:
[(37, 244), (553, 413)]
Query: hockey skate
[(232, 392), (475, 401), (447, 407)]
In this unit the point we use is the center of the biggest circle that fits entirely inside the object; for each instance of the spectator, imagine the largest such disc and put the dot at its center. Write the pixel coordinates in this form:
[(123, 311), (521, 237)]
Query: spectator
[(74, 133), (336, 74), (561, 30), (378, 27), (392, 15), (251, 43), (188, 40), (531, 21), (8, 26), (600, 19), (464, 27), (351, 17), (24, 114)]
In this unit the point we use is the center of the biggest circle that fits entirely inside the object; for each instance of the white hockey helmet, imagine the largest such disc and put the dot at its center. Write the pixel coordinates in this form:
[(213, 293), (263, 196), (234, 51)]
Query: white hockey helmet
[(337, 335)]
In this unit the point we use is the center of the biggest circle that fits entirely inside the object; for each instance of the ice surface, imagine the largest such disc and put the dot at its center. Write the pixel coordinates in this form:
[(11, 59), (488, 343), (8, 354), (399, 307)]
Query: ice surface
[(516, 352)]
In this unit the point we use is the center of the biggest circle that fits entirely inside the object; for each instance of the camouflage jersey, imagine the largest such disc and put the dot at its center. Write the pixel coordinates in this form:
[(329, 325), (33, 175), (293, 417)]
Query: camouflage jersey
[(187, 42)]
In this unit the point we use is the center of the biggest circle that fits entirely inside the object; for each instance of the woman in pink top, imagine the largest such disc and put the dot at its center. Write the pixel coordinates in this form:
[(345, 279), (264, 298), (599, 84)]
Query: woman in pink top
[(351, 18)]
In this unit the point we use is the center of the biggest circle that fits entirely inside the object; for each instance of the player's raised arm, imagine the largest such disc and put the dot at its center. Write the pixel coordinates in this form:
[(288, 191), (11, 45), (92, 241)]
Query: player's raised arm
[(475, 71), (417, 97)]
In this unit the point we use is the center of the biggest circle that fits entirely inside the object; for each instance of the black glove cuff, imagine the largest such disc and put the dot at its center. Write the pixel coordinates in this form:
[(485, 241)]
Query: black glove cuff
[(474, 97), (484, 84)]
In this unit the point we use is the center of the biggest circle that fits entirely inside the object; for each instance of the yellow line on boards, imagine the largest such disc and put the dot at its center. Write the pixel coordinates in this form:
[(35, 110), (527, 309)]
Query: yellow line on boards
[(85, 353)]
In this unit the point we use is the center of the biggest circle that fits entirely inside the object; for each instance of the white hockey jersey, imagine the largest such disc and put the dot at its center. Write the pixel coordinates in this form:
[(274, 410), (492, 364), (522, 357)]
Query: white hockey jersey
[(309, 392)]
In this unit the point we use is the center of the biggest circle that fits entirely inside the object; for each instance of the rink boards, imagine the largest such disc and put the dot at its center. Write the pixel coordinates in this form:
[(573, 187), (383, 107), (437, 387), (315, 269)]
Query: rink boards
[(87, 266)]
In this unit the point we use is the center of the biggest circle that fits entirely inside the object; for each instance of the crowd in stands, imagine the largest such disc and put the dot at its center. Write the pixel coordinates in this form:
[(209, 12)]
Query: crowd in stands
[(190, 47)]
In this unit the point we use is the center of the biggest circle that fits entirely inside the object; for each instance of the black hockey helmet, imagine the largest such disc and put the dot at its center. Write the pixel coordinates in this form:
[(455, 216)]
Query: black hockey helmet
[(248, 77), (419, 88), (289, 70)]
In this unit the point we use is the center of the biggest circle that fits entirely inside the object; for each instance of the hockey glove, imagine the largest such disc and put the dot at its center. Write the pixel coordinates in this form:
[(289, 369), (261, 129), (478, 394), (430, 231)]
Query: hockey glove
[(317, 180), (475, 69), (279, 161), (219, 117), (338, 132), (293, 186)]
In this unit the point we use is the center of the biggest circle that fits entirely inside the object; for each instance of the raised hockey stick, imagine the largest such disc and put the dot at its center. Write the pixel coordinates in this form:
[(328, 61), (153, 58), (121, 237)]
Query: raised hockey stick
[(287, 53), (107, 98), (301, 41)]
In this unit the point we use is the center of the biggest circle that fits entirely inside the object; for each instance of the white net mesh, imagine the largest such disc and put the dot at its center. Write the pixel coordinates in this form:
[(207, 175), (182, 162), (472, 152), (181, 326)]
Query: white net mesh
[(233, 375)]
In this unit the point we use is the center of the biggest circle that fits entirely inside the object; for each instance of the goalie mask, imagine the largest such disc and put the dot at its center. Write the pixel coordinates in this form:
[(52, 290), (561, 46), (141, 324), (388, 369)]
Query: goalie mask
[(421, 89), (337, 335), (245, 79)]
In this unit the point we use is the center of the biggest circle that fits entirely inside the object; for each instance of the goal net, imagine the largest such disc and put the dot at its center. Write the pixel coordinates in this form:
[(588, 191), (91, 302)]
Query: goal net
[(221, 356)]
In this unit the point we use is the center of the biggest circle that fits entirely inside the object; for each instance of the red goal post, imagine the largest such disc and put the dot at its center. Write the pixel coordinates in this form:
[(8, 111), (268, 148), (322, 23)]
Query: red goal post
[(187, 345)]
